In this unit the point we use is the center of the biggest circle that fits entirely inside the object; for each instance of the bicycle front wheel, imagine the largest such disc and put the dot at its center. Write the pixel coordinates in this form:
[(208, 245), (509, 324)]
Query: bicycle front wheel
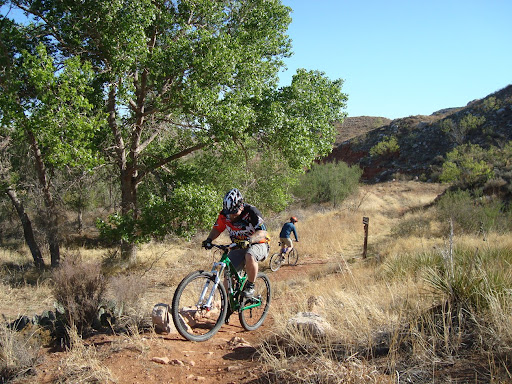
[(275, 262), (257, 307), (293, 257), (199, 306)]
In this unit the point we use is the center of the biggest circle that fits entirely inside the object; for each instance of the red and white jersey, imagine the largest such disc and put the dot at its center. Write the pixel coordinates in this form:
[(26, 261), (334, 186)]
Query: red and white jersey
[(246, 224)]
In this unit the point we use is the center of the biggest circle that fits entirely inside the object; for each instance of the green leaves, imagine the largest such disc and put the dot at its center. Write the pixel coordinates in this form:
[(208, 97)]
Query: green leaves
[(187, 209), (58, 113), (304, 113), (467, 165), (388, 146)]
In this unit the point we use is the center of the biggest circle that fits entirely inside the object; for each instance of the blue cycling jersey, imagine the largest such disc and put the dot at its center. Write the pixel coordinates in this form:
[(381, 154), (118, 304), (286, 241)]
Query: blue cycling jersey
[(287, 229)]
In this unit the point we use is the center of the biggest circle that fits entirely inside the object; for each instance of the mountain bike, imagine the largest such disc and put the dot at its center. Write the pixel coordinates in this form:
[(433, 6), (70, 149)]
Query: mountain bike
[(277, 259), (201, 302)]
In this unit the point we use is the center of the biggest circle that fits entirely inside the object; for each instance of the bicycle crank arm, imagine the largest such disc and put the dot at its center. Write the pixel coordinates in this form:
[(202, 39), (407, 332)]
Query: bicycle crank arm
[(251, 303)]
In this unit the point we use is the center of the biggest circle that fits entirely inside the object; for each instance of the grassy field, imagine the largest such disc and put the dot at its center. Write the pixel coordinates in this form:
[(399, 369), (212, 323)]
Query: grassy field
[(426, 305)]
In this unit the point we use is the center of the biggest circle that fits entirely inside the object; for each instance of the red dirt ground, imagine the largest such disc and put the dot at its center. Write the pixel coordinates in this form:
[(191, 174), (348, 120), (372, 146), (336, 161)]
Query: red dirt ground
[(228, 357)]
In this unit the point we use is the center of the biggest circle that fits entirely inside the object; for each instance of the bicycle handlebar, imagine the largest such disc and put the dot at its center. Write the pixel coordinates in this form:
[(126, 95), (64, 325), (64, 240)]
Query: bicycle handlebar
[(223, 246), (228, 246)]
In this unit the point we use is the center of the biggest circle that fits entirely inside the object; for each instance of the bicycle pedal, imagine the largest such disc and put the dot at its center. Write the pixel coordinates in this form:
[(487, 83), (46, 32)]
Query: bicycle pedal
[(252, 300)]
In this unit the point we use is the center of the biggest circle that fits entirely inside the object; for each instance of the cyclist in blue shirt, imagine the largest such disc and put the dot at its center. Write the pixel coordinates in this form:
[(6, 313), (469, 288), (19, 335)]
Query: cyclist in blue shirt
[(284, 235)]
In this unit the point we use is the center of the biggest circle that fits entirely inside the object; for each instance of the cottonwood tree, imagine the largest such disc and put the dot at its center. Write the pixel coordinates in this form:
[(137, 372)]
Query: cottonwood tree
[(47, 116), (187, 76)]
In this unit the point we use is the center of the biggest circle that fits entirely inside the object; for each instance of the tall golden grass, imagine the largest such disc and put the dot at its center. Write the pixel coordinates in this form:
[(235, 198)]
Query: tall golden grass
[(388, 300)]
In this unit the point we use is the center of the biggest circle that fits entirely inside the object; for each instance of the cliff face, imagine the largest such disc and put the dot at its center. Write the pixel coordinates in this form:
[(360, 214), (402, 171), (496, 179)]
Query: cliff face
[(423, 141)]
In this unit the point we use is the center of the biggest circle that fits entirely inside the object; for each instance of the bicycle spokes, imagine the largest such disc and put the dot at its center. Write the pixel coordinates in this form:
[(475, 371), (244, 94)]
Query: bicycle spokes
[(199, 306), (255, 309)]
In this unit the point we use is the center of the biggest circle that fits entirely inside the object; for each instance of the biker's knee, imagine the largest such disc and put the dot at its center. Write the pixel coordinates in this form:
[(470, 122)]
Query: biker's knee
[(250, 258)]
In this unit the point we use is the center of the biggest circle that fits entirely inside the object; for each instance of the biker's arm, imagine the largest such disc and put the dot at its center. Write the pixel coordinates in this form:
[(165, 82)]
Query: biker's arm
[(214, 233)]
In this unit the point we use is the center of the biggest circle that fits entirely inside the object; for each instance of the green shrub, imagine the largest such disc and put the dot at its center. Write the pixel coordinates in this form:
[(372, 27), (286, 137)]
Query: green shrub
[(473, 215), (466, 165), (458, 130), (457, 134), (386, 147), (471, 122), (330, 182), (491, 104)]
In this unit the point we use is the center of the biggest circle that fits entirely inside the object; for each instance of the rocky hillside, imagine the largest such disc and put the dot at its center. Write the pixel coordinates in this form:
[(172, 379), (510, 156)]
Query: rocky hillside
[(423, 141), (356, 126)]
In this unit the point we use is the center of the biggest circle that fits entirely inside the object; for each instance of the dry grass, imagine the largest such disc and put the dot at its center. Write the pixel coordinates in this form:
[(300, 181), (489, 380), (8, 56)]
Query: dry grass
[(356, 301), (19, 353), (370, 306), (82, 364), (367, 302), (320, 369), (23, 291)]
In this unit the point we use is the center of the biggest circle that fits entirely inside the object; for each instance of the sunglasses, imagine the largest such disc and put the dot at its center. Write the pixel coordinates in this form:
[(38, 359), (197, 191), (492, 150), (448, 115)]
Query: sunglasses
[(233, 211)]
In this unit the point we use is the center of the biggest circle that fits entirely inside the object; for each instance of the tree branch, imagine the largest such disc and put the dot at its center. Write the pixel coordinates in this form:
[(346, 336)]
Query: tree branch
[(168, 159)]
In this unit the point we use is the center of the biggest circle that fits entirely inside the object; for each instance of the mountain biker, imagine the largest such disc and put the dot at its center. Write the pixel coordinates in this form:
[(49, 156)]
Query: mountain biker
[(246, 228), (284, 235)]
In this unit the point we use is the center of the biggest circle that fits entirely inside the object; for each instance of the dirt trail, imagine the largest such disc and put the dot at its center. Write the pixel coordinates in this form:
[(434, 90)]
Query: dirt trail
[(228, 357)]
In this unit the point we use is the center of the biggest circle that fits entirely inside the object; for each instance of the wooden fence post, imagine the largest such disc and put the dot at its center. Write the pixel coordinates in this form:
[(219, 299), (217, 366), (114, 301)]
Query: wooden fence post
[(366, 222)]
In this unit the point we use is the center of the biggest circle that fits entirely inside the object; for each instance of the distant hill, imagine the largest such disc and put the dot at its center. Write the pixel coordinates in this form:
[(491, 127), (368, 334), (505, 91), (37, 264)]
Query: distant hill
[(356, 126), (423, 144)]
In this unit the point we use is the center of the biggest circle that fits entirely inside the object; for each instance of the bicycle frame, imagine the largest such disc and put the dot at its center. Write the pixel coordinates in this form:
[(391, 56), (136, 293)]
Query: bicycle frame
[(232, 276)]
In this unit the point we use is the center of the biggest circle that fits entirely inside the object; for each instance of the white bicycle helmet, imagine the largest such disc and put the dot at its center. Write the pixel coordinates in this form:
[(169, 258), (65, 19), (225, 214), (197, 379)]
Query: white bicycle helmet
[(232, 201)]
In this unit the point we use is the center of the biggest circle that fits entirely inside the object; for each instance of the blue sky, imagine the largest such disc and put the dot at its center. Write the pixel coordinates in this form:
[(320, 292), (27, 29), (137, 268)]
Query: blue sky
[(400, 58), (404, 57)]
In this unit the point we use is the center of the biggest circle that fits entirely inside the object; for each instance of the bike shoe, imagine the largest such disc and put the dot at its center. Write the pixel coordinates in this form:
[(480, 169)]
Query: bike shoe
[(248, 292)]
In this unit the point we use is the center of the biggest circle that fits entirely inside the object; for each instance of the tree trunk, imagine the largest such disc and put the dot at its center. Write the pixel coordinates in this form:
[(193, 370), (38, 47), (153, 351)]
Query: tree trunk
[(79, 219), (27, 228), (128, 252), (53, 240), (129, 207), (52, 230), (127, 158)]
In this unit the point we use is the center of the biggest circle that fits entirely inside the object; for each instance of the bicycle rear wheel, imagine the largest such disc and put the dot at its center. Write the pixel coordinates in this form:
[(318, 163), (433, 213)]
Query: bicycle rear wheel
[(293, 257), (252, 318), (275, 261), (193, 317)]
